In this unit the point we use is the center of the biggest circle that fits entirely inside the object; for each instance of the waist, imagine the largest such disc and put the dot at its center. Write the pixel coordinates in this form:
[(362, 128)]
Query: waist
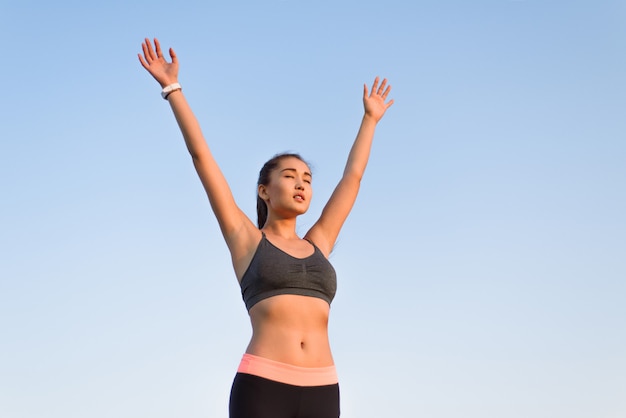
[(287, 373), (291, 329)]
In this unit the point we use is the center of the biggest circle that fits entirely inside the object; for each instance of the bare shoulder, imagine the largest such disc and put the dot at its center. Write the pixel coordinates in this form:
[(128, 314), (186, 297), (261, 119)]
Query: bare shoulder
[(316, 236)]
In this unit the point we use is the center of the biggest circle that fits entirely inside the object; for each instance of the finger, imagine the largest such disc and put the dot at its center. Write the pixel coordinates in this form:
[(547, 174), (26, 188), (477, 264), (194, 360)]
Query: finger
[(143, 62), (146, 54), (173, 56), (384, 96), (144, 48), (148, 51), (375, 85), (389, 104), (381, 89), (157, 45), (364, 90)]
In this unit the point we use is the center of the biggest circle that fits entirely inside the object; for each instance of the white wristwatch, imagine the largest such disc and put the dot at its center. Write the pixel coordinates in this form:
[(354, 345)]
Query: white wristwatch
[(168, 89)]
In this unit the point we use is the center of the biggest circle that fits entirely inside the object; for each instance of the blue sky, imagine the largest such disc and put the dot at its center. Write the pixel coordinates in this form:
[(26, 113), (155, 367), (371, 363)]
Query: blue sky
[(481, 273)]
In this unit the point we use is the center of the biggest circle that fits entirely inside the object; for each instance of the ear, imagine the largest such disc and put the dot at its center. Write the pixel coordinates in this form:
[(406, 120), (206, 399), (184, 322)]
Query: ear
[(262, 192)]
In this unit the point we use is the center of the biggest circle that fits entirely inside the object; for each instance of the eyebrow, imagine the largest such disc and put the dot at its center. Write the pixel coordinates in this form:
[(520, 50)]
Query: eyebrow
[(306, 173)]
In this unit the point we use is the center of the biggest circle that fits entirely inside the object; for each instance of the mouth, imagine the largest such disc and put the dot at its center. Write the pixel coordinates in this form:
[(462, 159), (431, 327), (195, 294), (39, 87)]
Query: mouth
[(298, 197)]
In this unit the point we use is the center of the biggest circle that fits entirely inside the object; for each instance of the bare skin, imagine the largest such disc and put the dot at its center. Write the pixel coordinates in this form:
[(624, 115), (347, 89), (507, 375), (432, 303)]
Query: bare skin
[(291, 329)]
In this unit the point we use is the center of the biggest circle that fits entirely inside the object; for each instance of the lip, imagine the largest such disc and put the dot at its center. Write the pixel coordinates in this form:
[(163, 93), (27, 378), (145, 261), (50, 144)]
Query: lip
[(299, 197)]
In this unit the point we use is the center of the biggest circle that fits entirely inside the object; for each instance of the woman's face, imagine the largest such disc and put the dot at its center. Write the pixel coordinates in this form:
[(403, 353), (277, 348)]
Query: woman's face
[(289, 190)]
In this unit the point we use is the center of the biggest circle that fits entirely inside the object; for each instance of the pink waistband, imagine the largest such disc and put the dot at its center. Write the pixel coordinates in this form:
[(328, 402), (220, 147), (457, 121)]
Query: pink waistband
[(286, 373)]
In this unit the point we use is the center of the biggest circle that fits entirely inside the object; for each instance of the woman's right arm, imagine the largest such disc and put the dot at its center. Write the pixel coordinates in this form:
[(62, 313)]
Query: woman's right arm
[(239, 232)]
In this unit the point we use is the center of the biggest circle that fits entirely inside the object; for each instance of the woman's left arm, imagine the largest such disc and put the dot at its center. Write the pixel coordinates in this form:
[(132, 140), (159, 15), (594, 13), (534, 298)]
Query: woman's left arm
[(325, 231)]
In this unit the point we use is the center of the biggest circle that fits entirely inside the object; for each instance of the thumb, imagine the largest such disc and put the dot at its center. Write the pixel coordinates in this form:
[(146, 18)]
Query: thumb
[(173, 56)]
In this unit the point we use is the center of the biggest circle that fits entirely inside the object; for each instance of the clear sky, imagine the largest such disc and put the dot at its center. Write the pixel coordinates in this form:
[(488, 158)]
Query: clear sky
[(481, 274)]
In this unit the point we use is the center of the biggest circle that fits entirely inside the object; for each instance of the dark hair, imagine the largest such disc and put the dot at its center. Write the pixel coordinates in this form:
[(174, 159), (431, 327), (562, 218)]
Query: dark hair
[(264, 178)]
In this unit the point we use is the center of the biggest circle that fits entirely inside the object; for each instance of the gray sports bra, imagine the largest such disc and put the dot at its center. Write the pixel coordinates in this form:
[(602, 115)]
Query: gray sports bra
[(274, 272)]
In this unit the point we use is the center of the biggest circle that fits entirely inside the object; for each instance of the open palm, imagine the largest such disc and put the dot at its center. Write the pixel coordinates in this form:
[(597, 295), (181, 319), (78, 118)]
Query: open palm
[(154, 62), (374, 101)]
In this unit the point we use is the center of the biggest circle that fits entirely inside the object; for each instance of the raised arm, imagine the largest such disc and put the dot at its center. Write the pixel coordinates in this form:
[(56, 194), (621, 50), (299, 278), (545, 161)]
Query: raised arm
[(238, 230), (325, 231)]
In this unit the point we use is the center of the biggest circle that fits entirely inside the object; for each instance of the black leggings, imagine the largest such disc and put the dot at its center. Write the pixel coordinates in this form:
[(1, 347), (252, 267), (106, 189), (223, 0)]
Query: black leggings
[(256, 397)]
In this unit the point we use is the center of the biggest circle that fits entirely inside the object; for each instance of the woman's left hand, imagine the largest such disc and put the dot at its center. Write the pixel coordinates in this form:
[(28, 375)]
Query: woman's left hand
[(374, 101), (154, 62)]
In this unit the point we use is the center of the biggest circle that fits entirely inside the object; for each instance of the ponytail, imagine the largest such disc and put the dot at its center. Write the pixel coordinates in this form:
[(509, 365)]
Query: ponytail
[(261, 211)]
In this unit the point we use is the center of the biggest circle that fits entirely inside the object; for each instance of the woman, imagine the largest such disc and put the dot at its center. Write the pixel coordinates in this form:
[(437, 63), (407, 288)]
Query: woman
[(287, 282)]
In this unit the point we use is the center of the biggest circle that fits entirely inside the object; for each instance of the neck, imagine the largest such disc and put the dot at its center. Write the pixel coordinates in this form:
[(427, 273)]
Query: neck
[(284, 228)]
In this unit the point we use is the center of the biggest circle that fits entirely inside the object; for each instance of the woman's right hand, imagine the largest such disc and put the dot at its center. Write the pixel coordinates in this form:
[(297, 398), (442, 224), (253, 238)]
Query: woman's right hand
[(154, 62)]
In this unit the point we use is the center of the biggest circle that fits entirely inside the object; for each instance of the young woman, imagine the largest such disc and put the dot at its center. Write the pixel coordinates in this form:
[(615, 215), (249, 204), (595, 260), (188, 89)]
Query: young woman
[(287, 282)]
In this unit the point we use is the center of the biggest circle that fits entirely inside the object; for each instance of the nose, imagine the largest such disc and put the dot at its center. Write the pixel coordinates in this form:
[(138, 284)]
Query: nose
[(299, 185)]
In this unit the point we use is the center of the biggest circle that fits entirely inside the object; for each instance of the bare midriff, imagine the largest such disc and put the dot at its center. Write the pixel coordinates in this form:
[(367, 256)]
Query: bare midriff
[(291, 329)]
